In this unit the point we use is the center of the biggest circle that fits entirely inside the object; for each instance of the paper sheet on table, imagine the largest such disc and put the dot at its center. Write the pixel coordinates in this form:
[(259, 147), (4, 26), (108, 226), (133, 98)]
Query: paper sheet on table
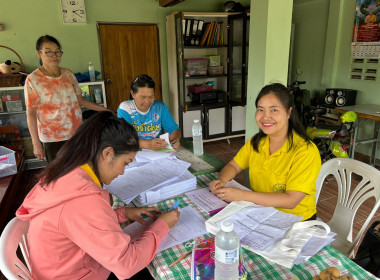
[(206, 200), (184, 183), (137, 180), (313, 246), (234, 184), (210, 202), (147, 155), (189, 226), (257, 226), (134, 164)]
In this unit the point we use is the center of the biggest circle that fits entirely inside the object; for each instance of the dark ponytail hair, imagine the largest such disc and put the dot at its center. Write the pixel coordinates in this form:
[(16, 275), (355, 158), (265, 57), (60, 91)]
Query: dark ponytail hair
[(100, 131), (286, 99), (45, 39), (142, 81)]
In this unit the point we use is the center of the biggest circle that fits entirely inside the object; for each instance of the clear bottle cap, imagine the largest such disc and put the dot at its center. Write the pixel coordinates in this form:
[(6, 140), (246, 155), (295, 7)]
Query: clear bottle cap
[(227, 226), (196, 121)]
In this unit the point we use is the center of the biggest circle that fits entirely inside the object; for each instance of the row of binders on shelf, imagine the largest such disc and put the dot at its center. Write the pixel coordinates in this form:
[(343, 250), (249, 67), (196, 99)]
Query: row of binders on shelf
[(198, 33)]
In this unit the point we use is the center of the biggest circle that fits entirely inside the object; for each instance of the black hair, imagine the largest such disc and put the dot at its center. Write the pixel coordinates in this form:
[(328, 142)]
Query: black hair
[(286, 99), (100, 131), (45, 39), (142, 81)]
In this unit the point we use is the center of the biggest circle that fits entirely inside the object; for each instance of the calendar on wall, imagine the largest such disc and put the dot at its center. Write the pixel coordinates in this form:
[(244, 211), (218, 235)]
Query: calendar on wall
[(366, 33)]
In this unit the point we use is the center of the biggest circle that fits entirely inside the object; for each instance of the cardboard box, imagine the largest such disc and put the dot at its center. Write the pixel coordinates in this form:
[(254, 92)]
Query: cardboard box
[(14, 106)]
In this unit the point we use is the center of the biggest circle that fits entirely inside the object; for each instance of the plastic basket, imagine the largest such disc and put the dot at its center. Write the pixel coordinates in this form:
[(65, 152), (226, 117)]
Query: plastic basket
[(12, 80), (200, 88), (7, 162)]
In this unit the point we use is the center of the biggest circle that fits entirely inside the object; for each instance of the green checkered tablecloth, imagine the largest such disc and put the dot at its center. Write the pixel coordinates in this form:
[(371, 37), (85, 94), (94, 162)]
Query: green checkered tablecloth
[(257, 266)]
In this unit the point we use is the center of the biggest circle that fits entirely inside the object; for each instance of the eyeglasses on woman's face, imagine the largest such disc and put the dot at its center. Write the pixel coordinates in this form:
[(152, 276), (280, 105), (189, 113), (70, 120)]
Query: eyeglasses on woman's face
[(51, 54)]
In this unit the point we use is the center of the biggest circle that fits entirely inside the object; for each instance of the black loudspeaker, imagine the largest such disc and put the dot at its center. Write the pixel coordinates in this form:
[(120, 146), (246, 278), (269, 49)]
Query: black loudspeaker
[(338, 97)]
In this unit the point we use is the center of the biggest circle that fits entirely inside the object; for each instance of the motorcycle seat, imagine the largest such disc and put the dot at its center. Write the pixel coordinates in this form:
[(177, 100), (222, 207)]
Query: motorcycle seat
[(317, 111), (328, 126)]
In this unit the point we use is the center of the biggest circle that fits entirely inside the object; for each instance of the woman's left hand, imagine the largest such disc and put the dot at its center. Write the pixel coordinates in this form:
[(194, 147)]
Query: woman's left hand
[(134, 213), (229, 194)]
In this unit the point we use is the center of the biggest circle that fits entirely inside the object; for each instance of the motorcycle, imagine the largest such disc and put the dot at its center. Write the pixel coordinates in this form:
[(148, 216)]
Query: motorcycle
[(330, 139)]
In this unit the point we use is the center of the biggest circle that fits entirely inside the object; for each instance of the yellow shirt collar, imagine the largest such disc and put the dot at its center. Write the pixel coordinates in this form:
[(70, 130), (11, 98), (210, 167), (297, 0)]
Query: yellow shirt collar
[(90, 172), (264, 146)]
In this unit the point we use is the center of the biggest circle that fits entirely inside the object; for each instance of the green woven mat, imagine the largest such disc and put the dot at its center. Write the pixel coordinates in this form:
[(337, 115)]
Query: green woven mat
[(211, 163)]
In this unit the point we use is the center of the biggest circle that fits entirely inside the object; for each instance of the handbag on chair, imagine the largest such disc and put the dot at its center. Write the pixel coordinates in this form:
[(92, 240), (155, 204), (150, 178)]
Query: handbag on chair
[(368, 255)]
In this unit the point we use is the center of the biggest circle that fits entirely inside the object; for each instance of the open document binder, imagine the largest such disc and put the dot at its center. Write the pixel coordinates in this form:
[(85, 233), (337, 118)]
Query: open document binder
[(152, 178)]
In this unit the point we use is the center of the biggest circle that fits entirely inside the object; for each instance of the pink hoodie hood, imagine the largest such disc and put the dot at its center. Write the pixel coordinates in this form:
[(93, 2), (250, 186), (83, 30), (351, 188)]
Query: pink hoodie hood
[(41, 198)]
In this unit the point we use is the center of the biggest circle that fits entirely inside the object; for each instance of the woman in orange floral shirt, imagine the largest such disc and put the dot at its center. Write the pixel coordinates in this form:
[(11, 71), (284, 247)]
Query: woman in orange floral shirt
[(53, 101)]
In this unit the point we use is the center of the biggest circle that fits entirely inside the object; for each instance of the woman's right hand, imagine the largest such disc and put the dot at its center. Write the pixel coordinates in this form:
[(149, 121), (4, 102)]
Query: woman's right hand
[(216, 184), (38, 151), (171, 218)]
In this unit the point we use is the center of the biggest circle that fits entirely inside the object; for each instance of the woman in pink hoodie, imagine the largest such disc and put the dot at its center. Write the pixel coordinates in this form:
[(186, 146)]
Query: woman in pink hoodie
[(74, 233)]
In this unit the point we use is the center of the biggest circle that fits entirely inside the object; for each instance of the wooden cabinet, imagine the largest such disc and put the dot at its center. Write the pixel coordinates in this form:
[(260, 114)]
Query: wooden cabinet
[(224, 115), (13, 112)]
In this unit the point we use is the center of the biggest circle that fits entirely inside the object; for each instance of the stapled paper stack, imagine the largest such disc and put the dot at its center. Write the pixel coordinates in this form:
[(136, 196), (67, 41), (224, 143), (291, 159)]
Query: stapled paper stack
[(154, 177), (185, 182)]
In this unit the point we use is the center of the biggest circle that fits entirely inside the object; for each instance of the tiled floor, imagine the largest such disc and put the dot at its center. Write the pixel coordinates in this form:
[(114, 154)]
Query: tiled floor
[(328, 197)]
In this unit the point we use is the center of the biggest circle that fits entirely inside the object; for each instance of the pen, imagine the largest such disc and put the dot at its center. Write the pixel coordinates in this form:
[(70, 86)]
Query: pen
[(180, 258), (174, 206)]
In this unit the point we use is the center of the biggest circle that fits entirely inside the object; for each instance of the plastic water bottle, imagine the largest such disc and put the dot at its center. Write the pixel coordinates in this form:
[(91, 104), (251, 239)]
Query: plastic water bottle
[(91, 71), (98, 95), (227, 247), (197, 138)]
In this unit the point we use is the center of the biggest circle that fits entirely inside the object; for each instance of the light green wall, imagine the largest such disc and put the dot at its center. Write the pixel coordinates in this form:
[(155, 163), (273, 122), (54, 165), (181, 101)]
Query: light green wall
[(270, 26), (27, 20), (310, 24)]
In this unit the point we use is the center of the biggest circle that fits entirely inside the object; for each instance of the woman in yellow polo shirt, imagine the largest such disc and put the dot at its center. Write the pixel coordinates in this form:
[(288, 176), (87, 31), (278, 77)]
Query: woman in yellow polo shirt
[(283, 162)]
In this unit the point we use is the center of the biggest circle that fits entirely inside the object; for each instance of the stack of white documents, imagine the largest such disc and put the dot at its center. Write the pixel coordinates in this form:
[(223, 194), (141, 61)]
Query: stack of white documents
[(185, 182), (154, 177)]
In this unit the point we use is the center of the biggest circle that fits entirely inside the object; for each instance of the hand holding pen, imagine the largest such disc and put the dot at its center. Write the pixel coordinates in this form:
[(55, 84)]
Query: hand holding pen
[(175, 205), (171, 217)]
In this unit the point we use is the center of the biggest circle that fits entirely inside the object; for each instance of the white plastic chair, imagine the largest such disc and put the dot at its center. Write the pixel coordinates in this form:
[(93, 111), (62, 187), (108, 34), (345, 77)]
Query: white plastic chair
[(15, 234), (349, 200)]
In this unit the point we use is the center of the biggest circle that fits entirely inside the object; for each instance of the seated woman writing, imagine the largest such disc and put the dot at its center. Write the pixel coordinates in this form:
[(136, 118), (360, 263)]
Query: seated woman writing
[(74, 233), (283, 162), (149, 117)]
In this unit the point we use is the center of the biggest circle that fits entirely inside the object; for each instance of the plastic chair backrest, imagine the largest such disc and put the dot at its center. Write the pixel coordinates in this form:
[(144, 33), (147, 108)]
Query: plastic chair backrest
[(349, 200), (14, 235)]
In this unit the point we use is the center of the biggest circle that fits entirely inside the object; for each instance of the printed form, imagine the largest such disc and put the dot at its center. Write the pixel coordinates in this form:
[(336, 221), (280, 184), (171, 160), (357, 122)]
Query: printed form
[(190, 225), (140, 179), (210, 202), (260, 227)]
